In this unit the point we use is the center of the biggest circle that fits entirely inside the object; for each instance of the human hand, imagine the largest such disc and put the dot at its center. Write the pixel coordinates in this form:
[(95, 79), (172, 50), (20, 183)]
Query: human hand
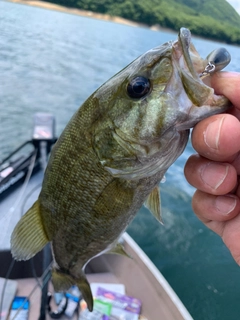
[(214, 170)]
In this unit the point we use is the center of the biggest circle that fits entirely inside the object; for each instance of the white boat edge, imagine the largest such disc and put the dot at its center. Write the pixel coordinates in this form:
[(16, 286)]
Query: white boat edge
[(159, 277)]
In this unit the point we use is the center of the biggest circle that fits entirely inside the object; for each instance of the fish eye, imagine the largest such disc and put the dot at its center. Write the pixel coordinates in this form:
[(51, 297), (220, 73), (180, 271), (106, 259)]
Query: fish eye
[(138, 87)]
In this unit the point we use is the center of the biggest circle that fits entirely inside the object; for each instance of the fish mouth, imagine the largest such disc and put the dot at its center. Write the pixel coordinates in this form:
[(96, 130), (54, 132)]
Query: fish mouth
[(184, 38), (200, 68), (194, 74), (195, 70), (191, 66)]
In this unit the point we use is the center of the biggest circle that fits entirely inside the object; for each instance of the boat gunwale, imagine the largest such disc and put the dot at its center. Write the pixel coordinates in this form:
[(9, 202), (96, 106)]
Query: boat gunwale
[(158, 276)]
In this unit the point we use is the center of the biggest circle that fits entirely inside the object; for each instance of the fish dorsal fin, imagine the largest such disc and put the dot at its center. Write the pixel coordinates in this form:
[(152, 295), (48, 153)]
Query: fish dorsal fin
[(28, 237), (153, 203), (119, 249)]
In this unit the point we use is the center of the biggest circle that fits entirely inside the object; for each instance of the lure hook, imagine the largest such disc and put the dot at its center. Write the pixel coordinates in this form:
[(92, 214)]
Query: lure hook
[(210, 68), (216, 61)]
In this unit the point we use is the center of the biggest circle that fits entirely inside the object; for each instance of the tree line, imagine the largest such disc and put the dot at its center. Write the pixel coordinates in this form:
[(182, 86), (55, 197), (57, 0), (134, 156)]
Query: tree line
[(200, 16)]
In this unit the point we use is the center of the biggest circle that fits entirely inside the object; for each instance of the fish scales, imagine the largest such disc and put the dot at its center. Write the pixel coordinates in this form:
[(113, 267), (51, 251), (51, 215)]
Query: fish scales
[(112, 155)]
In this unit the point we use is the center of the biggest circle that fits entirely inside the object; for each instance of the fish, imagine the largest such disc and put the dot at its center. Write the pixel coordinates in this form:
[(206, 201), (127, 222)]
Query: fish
[(112, 155)]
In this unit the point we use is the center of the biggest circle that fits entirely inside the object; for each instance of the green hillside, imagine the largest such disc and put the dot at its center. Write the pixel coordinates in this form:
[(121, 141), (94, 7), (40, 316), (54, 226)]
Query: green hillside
[(220, 10), (214, 19)]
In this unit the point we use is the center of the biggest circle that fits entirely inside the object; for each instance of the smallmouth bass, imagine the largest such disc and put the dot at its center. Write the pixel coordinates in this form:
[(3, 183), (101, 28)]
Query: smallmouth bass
[(112, 155)]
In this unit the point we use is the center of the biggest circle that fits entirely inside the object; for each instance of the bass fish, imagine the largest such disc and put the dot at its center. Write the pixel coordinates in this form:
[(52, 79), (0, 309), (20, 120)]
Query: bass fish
[(112, 155)]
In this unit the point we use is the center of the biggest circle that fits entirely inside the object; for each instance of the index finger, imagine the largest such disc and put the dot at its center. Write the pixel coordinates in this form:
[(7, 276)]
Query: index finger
[(218, 137), (228, 84)]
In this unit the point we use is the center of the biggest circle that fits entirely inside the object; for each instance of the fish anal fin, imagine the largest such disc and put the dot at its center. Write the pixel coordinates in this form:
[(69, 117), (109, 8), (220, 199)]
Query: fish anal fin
[(63, 281), (153, 203), (119, 249), (28, 237)]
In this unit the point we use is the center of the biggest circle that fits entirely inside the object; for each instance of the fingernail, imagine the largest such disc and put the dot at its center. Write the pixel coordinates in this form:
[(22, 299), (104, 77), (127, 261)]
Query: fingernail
[(225, 204), (214, 174), (212, 133)]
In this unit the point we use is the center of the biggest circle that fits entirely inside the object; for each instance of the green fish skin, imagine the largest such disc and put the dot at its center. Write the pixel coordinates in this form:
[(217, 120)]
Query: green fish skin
[(111, 157)]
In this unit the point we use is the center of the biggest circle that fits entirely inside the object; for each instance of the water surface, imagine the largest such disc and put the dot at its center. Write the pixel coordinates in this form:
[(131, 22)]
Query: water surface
[(51, 62)]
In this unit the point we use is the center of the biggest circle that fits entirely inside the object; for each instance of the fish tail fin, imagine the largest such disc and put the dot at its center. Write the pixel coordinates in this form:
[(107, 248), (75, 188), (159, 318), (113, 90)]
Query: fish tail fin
[(28, 237), (84, 287), (62, 282)]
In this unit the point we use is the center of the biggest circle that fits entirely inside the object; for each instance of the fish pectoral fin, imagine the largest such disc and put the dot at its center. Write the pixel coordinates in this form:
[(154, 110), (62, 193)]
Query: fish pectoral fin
[(119, 249), (28, 237), (63, 281), (153, 203)]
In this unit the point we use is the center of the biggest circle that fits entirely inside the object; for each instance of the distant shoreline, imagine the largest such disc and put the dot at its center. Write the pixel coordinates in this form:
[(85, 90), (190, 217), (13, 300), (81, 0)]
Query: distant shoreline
[(104, 17), (84, 13)]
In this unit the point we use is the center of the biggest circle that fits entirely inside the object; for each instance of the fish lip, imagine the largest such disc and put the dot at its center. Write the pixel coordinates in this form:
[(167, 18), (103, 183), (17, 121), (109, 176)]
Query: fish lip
[(184, 38)]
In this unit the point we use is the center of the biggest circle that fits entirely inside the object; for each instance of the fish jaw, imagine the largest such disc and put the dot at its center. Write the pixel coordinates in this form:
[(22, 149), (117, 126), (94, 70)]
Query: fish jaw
[(203, 101)]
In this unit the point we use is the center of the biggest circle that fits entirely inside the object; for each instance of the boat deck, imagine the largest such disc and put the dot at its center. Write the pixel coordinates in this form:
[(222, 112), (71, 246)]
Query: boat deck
[(25, 287), (139, 276)]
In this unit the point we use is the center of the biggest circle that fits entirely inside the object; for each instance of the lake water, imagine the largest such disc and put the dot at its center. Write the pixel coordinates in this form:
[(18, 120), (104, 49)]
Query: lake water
[(51, 62)]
